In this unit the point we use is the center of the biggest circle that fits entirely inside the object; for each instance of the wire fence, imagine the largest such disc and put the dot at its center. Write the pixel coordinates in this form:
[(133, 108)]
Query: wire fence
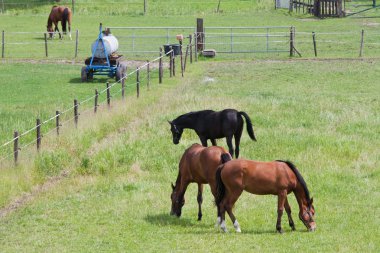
[(53, 124), (140, 42)]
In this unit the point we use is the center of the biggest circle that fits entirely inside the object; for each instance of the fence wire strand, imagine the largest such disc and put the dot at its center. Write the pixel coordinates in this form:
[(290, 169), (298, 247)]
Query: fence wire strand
[(142, 78)]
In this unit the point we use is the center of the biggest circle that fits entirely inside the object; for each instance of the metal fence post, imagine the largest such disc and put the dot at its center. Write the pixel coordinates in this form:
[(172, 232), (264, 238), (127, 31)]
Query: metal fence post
[(2, 44), (76, 43)]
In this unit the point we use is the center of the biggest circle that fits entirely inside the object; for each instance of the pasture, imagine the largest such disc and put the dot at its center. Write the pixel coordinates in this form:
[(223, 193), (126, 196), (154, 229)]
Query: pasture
[(106, 185)]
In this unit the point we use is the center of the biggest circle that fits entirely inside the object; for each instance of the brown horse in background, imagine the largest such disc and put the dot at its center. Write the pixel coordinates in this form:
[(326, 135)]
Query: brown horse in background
[(59, 13), (198, 165), (278, 178)]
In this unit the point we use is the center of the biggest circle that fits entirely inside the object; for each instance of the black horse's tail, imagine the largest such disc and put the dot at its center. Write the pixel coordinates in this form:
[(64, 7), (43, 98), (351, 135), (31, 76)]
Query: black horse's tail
[(220, 188), (65, 17), (249, 125), (299, 177)]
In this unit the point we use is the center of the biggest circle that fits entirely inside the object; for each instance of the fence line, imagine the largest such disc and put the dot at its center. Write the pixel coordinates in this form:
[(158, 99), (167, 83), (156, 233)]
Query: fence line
[(18, 137)]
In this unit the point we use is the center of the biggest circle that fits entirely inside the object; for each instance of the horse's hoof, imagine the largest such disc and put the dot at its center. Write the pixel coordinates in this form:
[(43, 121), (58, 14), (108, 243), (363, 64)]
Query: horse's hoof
[(280, 231)]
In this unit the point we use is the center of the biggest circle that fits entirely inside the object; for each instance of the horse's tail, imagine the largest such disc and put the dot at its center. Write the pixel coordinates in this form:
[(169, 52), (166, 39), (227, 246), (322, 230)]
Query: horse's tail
[(225, 157), (249, 125), (299, 177), (220, 188), (65, 17)]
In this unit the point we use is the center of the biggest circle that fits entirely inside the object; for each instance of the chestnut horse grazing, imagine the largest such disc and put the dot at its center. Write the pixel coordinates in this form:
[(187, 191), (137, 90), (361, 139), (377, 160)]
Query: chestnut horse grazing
[(211, 125), (59, 13), (278, 178), (198, 165)]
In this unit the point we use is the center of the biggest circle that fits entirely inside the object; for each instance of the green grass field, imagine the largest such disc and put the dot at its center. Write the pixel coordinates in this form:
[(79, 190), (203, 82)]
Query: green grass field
[(105, 187)]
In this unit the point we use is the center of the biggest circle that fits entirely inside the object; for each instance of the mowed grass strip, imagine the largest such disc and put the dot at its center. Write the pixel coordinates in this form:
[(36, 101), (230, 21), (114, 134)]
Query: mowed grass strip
[(322, 115)]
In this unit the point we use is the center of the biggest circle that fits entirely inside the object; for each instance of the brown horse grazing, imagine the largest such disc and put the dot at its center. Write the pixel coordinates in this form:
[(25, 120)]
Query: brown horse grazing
[(278, 178), (198, 165), (59, 13)]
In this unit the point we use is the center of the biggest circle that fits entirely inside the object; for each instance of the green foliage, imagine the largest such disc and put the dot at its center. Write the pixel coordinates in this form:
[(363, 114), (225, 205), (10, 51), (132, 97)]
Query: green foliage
[(49, 164)]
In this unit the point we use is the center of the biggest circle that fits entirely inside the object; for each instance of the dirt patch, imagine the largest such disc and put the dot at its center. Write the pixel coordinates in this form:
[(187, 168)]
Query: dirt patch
[(27, 197)]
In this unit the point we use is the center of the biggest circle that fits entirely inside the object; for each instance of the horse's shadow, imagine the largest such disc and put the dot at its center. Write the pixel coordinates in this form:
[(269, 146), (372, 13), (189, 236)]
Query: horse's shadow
[(165, 219)]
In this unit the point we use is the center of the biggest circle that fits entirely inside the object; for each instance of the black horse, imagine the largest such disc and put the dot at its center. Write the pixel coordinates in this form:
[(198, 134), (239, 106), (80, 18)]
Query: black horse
[(213, 125)]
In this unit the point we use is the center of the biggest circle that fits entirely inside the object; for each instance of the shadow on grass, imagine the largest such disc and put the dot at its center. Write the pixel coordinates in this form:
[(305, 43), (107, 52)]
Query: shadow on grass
[(164, 219), (78, 80)]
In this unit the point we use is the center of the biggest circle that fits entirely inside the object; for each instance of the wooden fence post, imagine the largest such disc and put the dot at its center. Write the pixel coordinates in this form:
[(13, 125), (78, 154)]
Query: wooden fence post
[(148, 74), (195, 47), (291, 49), (38, 125), (200, 34), (361, 44), (108, 95), (184, 64), (191, 48), (315, 45), (46, 45), (173, 58), (57, 125), (96, 101), (2, 44), (15, 146), (76, 112), (138, 82), (160, 72), (171, 62), (76, 43), (180, 48), (123, 88)]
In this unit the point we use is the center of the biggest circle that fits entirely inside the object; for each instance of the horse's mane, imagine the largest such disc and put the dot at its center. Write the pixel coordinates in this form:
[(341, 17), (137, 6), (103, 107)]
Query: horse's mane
[(191, 114), (299, 177)]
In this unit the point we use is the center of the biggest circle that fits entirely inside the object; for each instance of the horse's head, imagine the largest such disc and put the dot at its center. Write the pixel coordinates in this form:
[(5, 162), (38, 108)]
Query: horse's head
[(176, 132), (50, 31), (177, 202), (307, 216)]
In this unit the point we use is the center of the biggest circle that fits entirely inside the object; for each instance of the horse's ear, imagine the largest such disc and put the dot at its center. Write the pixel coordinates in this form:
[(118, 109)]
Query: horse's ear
[(311, 201), (173, 186)]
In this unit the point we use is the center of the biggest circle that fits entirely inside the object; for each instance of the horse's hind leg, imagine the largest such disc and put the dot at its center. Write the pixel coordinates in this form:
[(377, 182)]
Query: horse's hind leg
[(228, 205), (213, 141), (237, 136), (200, 200), (289, 213), (282, 196), (229, 144), (57, 30)]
